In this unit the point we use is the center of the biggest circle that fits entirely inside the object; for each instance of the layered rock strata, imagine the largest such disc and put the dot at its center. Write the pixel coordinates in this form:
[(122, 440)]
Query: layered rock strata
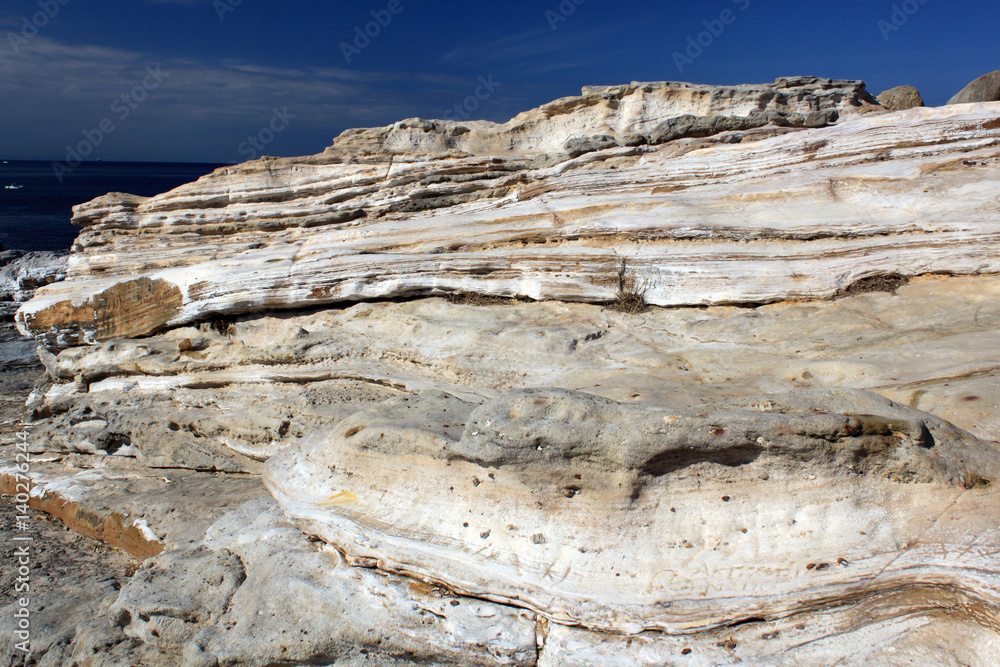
[(798, 216), (386, 214), (260, 592), (199, 398), (629, 115)]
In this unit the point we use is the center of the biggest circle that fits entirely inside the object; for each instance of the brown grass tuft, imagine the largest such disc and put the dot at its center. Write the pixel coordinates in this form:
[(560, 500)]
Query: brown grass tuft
[(476, 299), (630, 295), (886, 282)]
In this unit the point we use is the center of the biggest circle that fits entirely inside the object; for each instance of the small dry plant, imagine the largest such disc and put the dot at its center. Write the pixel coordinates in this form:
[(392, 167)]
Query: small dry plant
[(630, 295), (476, 299)]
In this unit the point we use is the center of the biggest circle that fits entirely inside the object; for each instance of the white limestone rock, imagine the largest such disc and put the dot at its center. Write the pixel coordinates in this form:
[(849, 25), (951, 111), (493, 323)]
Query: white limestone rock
[(631, 114)]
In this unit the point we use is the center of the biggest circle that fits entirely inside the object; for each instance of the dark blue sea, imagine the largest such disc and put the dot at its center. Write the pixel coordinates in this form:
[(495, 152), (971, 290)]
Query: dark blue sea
[(36, 216)]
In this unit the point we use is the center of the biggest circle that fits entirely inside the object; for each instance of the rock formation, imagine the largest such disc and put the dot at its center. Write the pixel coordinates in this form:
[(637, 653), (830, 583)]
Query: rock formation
[(984, 89), (21, 273), (630, 115), (793, 464), (703, 226), (900, 98), (343, 226)]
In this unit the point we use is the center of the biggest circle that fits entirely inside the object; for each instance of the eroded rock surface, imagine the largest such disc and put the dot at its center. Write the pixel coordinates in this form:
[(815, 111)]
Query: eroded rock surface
[(626, 115), (72, 580), (257, 591), (21, 273), (230, 401), (629, 518)]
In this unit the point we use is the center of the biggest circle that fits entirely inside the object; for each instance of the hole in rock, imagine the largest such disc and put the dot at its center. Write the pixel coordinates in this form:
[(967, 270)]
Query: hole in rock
[(115, 441), (678, 459)]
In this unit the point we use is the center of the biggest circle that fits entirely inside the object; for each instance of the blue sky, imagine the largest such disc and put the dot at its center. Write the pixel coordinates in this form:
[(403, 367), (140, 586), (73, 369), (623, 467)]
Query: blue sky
[(211, 73)]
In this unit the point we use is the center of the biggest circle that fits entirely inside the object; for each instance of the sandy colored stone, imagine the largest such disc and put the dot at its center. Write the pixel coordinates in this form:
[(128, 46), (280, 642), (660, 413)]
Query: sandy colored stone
[(217, 425), (129, 506), (910, 627), (901, 98), (481, 480), (619, 115), (256, 591)]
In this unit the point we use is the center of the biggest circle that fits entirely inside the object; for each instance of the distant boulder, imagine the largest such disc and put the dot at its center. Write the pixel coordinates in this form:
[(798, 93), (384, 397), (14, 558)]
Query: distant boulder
[(901, 98), (984, 89)]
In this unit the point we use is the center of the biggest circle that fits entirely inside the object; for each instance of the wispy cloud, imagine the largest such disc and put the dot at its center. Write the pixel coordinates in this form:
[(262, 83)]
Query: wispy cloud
[(55, 91), (541, 50)]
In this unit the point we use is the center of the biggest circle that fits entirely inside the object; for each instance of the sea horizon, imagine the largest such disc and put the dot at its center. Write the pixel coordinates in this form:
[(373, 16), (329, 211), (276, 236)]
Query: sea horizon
[(35, 216)]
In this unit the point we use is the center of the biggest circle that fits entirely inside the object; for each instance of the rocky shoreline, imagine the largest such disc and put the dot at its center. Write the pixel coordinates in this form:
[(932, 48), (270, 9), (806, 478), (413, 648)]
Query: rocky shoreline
[(659, 374)]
